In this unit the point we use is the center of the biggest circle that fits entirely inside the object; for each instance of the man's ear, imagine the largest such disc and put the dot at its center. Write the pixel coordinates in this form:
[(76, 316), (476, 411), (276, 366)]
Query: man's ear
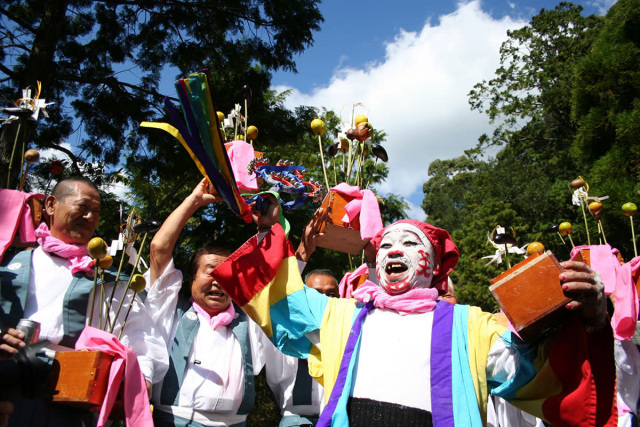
[(50, 204)]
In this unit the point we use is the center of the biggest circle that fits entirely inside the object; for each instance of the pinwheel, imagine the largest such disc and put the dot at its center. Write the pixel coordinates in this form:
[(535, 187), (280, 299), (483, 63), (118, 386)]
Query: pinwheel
[(199, 134), (504, 245)]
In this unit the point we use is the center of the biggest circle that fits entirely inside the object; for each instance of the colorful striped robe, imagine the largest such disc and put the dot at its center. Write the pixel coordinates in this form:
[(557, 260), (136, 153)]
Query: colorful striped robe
[(554, 379)]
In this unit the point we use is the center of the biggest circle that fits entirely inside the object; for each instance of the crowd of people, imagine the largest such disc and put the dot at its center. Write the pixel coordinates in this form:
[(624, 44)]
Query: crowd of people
[(400, 352)]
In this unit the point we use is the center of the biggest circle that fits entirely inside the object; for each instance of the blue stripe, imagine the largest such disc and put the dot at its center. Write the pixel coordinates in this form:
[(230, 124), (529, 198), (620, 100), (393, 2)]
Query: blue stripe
[(293, 317), (465, 402), (525, 371)]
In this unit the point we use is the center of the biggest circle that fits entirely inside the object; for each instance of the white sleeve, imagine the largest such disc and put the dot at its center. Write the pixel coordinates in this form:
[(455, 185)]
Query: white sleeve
[(502, 362), (259, 346), (628, 370), (162, 298), (280, 373)]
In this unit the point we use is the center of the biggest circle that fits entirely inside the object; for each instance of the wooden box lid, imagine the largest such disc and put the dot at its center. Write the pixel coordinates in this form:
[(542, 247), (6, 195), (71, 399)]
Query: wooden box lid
[(530, 294), (82, 377), (339, 236)]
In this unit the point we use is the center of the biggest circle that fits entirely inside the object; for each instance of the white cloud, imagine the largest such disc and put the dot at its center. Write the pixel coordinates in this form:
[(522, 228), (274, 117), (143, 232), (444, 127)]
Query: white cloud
[(602, 6), (418, 93)]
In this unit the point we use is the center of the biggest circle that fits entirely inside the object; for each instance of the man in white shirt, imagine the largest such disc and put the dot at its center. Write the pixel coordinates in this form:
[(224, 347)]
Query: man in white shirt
[(215, 349), (52, 285)]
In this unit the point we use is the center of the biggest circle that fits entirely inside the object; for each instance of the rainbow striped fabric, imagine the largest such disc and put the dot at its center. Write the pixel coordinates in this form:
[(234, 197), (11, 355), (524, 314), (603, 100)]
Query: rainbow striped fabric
[(198, 131), (554, 380)]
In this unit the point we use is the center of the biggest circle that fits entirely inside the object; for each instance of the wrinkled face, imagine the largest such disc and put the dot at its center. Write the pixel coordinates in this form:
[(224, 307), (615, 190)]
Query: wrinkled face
[(204, 290), (75, 218), (405, 259), (324, 284)]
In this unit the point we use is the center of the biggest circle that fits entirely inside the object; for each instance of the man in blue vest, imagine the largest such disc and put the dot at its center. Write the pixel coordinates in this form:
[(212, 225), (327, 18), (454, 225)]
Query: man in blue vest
[(52, 285), (215, 349)]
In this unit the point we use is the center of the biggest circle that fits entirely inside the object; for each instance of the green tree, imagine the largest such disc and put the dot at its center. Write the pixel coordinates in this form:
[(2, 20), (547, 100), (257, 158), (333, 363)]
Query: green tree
[(101, 62), (525, 186)]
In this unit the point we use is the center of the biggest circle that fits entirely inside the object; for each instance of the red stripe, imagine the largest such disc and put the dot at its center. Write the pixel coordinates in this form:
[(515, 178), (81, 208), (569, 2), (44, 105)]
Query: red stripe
[(253, 265), (585, 366)]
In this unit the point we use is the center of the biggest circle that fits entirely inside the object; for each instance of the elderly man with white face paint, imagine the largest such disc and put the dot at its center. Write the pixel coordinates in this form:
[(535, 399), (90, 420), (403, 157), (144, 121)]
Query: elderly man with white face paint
[(396, 356)]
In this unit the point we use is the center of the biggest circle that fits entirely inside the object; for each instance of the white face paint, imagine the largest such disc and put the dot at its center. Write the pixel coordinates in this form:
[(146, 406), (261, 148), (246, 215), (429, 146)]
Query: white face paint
[(405, 259)]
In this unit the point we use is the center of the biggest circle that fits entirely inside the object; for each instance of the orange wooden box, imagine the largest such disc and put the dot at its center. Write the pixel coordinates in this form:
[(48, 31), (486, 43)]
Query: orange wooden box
[(81, 378), (339, 236), (530, 294)]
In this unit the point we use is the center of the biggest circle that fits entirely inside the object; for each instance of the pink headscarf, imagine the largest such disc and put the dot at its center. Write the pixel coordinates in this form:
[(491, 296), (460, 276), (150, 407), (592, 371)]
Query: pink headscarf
[(447, 253), (78, 255)]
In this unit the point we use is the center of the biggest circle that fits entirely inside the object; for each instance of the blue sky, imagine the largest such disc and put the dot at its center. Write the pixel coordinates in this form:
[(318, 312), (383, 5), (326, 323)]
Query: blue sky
[(412, 64), (355, 32)]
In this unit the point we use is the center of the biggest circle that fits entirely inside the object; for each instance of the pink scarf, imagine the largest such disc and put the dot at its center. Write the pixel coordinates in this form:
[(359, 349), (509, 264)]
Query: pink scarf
[(223, 318), (618, 280), (366, 205), (348, 282), (78, 256), (415, 300), (136, 401)]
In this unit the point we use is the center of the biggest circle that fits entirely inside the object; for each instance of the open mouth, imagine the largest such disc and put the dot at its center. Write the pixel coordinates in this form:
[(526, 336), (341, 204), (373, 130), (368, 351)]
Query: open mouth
[(216, 294), (395, 271)]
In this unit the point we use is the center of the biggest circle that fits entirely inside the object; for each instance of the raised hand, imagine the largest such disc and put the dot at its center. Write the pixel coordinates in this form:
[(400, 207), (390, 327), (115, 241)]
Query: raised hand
[(310, 235)]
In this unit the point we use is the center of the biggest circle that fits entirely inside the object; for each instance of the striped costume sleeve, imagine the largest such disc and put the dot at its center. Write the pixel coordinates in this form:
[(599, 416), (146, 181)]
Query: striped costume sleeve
[(566, 378), (263, 279)]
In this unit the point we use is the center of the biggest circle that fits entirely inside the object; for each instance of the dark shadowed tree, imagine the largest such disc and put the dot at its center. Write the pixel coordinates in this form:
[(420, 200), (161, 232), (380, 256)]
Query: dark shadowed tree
[(101, 62)]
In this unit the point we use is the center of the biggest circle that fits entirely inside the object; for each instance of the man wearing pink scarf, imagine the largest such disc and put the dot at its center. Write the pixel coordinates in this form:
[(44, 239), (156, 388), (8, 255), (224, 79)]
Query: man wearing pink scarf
[(52, 285), (215, 349)]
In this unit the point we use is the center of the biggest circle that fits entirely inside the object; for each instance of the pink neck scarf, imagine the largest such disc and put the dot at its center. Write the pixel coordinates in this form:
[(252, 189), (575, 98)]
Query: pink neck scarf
[(415, 300), (223, 318), (78, 256)]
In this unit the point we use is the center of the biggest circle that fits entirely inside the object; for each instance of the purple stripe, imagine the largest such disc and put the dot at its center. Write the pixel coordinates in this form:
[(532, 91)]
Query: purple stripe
[(338, 387), (441, 394)]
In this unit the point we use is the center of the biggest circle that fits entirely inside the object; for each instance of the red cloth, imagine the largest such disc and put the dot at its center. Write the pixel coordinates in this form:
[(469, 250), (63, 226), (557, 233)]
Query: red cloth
[(588, 394), (136, 401)]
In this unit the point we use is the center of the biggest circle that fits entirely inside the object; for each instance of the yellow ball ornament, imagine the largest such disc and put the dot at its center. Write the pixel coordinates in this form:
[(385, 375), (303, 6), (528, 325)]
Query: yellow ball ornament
[(318, 127)]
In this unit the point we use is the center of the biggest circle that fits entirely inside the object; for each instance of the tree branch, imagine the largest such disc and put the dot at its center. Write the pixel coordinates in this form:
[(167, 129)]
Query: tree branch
[(18, 21), (72, 157)]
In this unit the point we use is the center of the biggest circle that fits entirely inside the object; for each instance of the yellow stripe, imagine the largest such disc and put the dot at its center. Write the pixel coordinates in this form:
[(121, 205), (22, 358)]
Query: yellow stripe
[(481, 326), (259, 308), (334, 333), (177, 135)]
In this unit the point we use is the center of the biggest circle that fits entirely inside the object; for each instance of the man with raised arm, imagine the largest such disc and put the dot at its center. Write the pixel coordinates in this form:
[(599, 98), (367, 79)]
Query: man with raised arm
[(215, 349), (394, 355)]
